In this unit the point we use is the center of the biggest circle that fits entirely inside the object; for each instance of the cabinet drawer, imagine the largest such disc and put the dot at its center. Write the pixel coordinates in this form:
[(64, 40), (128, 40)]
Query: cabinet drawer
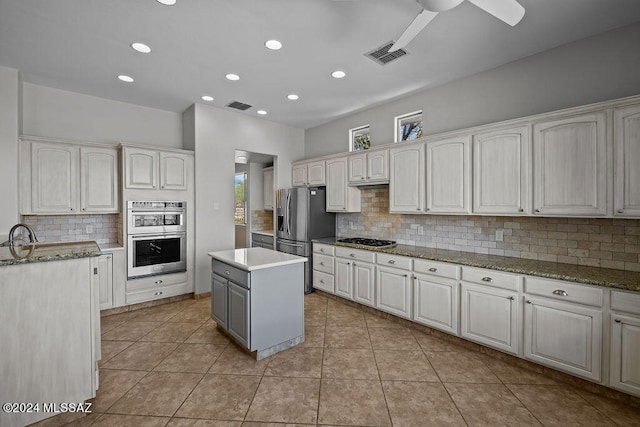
[(323, 263), (324, 249), (435, 268), (359, 255), (255, 237), (158, 293), (490, 278), (155, 282), (563, 291), (323, 281), (237, 276), (625, 301), (396, 261)]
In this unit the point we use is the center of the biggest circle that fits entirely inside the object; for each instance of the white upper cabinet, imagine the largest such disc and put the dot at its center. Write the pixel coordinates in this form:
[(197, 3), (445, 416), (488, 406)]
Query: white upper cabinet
[(627, 161), (309, 174), (299, 175), (448, 175), (570, 160), (406, 179), (267, 182), (147, 169), (173, 171), (54, 178), (369, 168), (501, 173), (340, 197), (98, 180)]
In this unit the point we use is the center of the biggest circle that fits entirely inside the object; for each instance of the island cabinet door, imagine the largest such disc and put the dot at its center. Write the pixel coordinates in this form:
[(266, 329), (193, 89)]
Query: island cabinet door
[(239, 312), (219, 300)]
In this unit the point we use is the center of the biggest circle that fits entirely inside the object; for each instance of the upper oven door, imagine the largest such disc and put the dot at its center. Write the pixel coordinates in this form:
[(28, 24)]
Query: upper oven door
[(156, 254), (169, 221)]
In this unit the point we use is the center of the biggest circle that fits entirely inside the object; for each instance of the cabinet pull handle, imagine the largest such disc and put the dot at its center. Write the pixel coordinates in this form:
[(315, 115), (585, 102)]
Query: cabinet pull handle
[(560, 292), (433, 269), (158, 293), (158, 282), (487, 279), (618, 321), (321, 250), (528, 301), (391, 261), (227, 272)]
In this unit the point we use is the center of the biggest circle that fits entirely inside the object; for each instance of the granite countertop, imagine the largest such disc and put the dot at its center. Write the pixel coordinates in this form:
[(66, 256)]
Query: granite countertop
[(250, 259), (619, 279), (43, 252), (264, 232)]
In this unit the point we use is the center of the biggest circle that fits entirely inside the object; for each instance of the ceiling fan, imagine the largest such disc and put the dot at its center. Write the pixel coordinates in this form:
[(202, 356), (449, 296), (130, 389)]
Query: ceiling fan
[(509, 11)]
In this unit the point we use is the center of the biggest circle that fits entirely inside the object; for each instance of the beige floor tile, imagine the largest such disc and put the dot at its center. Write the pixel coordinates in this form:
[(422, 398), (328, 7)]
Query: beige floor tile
[(235, 361), (296, 362), (63, 419), (558, 405), (112, 348), (108, 323), (420, 404), (114, 420), (196, 358), (345, 318), (313, 336), (171, 332), (393, 339), (141, 356), (286, 400), (352, 402), (121, 317), (345, 363), (130, 331), (261, 424), (85, 421), (347, 337), (191, 422), (620, 413), (208, 334), (454, 367), (221, 397), (192, 315), (490, 405), (430, 343), (315, 318), (407, 365), (380, 322), (511, 374), (113, 385), (161, 313), (337, 307), (158, 394)]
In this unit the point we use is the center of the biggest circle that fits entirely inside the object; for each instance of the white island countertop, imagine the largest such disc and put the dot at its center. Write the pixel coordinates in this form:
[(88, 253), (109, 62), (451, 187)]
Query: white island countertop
[(250, 259)]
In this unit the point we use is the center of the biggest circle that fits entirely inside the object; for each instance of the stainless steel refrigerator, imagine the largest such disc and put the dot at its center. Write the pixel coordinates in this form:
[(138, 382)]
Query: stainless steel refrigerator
[(302, 216)]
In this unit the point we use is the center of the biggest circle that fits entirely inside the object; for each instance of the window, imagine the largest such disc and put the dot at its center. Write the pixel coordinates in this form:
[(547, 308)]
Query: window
[(408, 126), (241, 202), (359, 138)]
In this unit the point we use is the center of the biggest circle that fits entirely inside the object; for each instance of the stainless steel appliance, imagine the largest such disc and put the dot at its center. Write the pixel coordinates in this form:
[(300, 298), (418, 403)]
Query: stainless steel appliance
[(302, 216), (157, 238), (373, 243)]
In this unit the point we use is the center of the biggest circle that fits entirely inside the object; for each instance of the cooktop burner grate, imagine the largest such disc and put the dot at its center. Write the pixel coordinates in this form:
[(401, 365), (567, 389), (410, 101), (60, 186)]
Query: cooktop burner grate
[(375, 243)]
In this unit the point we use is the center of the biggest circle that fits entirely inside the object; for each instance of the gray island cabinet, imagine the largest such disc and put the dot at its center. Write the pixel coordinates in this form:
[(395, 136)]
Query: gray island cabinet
[(257, 297)]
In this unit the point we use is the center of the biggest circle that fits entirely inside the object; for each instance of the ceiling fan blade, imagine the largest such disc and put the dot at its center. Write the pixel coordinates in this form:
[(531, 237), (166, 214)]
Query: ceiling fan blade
[(509, 11), (413, 29)]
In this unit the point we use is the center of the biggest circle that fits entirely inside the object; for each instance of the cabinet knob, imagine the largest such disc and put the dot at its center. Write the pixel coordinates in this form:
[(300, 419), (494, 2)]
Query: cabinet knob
[(84, 209), (321, 262), (618, 321), (433, 269), (158, 293), (620, 210), (392, 261), (71, 209), (537, 210), (511, 298), (354, 264), (362, 177), (321, 280), (227, 272), (368, 177), (405, 275), (487, 279), (560, 292), (520, 210), (352, 255), (528, 301), (348, 263)]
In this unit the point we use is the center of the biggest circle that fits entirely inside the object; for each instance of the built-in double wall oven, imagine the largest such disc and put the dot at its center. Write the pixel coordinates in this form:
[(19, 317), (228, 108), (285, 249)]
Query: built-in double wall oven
[(157, 238)]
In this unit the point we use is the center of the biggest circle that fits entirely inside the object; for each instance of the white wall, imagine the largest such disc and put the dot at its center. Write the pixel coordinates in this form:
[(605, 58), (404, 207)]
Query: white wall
[(9, 93), (217, 134), (594, 69), (62, 114)]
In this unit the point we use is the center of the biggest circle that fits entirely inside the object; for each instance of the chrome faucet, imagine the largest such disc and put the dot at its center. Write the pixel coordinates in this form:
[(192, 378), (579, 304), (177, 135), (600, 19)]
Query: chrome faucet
[(31, 233)]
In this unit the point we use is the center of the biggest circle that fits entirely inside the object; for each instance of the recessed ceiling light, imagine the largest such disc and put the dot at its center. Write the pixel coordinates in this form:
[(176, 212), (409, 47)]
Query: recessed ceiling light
[(273, 44), (125, 78), (207, 98), (261, 112), (167, 2), (233, 77), (338, 74), (140, 47), (293, 97)]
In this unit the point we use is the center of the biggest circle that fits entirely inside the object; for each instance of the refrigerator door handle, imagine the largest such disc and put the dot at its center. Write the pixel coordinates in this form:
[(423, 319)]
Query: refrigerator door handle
[(290, 244), (288, 217)]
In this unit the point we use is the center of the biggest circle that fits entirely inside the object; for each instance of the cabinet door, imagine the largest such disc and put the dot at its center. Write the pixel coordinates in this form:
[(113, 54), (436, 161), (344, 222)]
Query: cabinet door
[(141, 168), (337, 185), (406, 180), (489, 316), (343, 278), (54, 178), (448, 175), (315, 171), (98, 180), (299, 175), (173, 171), (564, 336), (219, 290), (501, 171), (105, 281), (627, 161), (363, 283), (239, 313), (570, 160), (393, 289), (378, 166), (625, 353), (268, 188), (435, 302), (357, 168)]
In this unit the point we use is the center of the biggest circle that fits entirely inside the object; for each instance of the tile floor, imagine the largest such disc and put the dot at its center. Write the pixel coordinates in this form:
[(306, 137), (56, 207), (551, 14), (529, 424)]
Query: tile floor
[(168, 365)]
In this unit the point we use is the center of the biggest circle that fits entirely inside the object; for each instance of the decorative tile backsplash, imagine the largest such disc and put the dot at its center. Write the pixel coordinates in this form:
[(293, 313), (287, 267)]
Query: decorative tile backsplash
[(262, 220), (599, 242), (68, 228)]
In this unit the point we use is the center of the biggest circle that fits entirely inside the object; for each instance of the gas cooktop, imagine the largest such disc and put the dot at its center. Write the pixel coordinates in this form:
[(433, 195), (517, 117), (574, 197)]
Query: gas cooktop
[(374, 243)]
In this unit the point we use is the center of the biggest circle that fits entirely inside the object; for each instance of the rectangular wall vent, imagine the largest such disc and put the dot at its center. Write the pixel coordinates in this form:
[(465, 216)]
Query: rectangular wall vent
[(382, 56), (238, 105)]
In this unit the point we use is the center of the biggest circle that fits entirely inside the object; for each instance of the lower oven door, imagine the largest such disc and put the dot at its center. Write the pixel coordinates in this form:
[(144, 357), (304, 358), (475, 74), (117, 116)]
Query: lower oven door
[(150, 254)]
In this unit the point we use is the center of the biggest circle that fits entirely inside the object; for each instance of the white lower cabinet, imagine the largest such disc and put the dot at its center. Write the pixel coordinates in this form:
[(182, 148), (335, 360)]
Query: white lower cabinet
[(105, 280), (343, 284), (393, 288), (363, 282), (435, 302), (625, 353)]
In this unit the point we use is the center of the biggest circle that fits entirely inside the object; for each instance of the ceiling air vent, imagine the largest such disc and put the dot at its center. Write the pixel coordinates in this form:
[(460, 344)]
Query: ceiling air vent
[(238, 105), (382, 56)]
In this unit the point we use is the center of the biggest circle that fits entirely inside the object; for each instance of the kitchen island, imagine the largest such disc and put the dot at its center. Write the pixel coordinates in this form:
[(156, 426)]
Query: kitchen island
[(257, 297), (49, 328)]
